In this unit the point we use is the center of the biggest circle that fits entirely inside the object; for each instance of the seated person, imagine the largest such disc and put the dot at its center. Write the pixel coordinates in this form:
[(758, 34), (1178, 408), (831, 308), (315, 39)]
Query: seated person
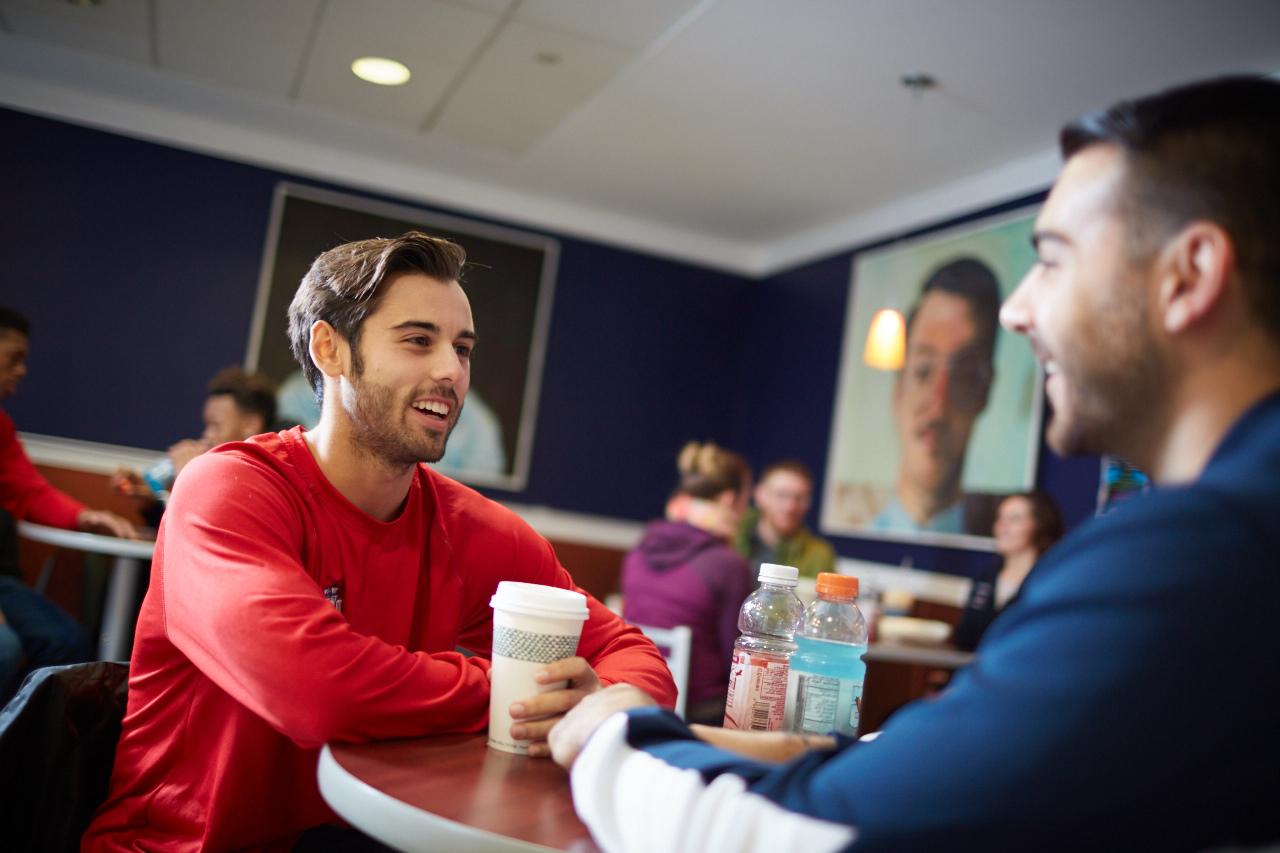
[(775, 532), (1122, 702), (33, 631), (1026, 525), (684, 572), (317, 586), (237, 405)]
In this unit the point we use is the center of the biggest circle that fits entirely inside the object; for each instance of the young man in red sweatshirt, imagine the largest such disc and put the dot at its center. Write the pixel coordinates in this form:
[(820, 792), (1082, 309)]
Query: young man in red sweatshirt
[(316, 586), (33, 631)]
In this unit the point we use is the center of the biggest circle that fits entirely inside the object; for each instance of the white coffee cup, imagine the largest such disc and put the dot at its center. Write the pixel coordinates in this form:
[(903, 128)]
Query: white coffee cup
[(533, 625)]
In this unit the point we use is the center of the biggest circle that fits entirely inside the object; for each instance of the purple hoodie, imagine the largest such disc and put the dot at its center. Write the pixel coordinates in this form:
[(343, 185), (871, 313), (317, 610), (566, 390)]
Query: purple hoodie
[(681, 575)]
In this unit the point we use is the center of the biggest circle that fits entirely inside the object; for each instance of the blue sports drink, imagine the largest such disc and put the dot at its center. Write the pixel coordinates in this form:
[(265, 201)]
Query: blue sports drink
[(824, 685)]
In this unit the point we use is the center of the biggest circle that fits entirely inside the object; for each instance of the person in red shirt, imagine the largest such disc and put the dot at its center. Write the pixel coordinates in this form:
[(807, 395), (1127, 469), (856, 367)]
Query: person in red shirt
[(327, 586), (33, 631)]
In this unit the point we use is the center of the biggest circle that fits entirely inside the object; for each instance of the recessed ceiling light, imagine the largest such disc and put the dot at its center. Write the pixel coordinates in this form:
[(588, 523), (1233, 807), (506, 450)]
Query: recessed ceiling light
[(384, 72)]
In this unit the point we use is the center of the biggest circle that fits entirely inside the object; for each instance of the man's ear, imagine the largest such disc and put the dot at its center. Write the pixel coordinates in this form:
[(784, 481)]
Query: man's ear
[(1194, 271), (328, 349)]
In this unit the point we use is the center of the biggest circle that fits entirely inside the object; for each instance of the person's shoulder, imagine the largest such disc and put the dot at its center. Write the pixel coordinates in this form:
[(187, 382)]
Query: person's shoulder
[(7, 430), (1198, 536), (459, 505), (263, 459)]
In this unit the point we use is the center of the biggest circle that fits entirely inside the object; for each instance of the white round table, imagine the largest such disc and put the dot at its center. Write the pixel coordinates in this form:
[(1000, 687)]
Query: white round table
[(116, 639)]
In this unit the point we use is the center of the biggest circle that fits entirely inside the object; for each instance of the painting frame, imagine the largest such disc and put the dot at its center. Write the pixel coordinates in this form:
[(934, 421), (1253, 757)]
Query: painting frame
[(510, 281), (865, 465)]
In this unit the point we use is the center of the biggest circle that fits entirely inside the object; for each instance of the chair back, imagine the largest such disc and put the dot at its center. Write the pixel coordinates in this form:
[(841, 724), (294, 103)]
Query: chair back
[(676, 645), (58, 738)]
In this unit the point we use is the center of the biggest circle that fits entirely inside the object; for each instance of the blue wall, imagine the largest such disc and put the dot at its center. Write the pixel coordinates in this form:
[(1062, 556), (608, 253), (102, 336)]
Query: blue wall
[(138, 266)]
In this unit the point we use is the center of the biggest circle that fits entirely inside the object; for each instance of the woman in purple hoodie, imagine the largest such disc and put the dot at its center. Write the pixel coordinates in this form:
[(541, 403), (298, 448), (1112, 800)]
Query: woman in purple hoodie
[(686, 572)]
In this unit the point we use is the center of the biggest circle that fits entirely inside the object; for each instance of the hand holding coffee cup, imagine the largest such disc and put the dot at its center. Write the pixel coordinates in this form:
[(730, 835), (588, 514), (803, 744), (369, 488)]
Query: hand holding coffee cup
[(535, 672), (571, 680)]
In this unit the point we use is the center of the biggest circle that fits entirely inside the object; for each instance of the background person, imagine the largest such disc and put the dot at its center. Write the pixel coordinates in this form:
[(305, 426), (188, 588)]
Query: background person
[(34, 632), (684, 571), (944, 384), (1027, 524), (1118, 704), (774, 530), (237, 405)]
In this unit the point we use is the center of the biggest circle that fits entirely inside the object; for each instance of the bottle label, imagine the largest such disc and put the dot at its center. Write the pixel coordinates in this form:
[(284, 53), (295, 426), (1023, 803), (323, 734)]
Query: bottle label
[(757, 696), (819, 704)]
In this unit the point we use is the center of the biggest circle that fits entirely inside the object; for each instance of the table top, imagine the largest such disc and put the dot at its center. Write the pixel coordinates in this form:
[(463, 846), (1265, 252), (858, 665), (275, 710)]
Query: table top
[(943, 657), (93, 543), (451, 792)]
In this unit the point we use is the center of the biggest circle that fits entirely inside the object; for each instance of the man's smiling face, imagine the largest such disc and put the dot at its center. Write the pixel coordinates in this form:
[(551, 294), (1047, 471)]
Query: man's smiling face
[(411, 369)]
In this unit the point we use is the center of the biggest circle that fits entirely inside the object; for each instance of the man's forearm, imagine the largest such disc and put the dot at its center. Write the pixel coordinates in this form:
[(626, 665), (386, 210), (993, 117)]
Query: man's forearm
[(764, 746)]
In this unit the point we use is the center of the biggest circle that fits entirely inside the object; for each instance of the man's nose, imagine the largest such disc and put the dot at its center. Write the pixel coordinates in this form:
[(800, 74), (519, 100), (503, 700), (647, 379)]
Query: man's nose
[(447, 366), (1014, 314)]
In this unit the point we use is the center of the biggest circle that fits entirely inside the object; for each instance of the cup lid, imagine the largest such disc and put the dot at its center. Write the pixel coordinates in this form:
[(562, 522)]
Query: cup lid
[(539, 600), (774, 573)]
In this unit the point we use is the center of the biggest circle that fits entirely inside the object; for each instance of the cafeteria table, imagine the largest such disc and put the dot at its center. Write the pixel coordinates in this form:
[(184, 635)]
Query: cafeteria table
[(118, 616), (451, 792)]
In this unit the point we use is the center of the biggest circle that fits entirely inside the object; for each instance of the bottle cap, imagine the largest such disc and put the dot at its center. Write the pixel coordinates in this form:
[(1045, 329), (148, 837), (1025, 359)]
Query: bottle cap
[(784, 575), (840, 586)]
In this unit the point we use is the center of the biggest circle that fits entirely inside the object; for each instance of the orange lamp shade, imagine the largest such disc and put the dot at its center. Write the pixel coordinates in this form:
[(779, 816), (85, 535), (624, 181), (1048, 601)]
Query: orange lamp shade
[(886, 340)]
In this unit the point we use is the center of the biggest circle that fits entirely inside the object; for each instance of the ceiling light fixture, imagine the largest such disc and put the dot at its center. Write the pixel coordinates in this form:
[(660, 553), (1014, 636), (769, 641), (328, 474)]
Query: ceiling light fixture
[(382, 71)]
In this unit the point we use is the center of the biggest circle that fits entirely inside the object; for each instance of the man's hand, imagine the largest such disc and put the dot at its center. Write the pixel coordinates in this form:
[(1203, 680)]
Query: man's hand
[(570, 734), (533, 718), (184, 451), (127, 482), (108, 523)]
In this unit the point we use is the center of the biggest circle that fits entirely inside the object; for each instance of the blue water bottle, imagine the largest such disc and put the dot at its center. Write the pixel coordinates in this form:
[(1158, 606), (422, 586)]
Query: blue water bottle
[(824, 686)]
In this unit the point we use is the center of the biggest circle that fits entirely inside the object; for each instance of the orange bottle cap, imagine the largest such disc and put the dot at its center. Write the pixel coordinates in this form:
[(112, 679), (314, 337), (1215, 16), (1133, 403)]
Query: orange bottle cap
[(842, 586)]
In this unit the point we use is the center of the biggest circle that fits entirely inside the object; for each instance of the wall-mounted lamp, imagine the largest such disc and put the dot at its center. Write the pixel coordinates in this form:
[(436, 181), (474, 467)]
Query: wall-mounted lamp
[(886, 341)]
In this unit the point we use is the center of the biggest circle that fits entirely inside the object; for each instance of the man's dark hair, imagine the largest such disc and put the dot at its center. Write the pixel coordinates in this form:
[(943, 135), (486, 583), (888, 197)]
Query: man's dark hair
[(252, 393), (1209, 150), (10, 319), (973, 281), (344, 286), (795, 466)]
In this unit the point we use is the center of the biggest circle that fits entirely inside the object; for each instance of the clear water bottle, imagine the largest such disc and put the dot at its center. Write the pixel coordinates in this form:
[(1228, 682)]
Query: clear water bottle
[(758, 675), (824, 687)]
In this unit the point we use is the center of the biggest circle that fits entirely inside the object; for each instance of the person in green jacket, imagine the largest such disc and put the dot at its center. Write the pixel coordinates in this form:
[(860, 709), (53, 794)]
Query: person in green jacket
[(773, 531)]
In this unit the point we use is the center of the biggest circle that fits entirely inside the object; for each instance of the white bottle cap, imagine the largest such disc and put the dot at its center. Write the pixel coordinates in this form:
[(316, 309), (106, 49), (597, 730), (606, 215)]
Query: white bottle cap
[(781, 575)]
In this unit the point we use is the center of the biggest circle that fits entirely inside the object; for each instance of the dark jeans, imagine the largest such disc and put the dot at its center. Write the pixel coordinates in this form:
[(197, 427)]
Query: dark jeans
[(49, 636)]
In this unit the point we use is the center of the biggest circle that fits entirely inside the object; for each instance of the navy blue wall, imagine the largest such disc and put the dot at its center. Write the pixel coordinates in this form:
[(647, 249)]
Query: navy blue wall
[(138, 266)]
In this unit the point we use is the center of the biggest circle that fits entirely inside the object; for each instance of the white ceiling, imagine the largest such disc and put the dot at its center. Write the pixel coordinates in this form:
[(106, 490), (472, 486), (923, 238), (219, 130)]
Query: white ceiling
[(747, 135)]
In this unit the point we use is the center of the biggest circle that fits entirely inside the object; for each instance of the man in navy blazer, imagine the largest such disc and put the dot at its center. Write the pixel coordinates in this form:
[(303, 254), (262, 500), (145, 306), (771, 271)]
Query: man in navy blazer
[(1126, 701)]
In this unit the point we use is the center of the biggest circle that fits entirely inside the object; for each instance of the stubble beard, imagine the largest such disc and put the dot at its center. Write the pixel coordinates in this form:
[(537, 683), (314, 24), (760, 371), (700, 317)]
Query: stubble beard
[(377, 433), (1115, 387)]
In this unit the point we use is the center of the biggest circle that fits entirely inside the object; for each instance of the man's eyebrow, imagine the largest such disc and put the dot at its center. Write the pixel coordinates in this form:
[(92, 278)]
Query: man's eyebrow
[(432, 328), (1040, 237)]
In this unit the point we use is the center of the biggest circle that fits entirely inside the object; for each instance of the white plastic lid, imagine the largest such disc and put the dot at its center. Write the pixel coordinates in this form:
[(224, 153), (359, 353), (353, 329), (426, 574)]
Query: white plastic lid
[(776, 574), (539, 600)]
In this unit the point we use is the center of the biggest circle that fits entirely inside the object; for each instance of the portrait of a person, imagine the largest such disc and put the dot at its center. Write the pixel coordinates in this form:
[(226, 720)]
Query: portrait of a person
[(938, 410), (943, 386)]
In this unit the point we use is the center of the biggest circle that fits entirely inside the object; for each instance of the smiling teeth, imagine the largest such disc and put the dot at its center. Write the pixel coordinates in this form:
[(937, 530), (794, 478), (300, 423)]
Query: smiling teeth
[(434, 408)]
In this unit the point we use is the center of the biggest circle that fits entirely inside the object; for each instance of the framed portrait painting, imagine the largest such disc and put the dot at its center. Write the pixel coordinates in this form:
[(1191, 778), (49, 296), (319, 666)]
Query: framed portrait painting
[(509, 279), (938, 408)]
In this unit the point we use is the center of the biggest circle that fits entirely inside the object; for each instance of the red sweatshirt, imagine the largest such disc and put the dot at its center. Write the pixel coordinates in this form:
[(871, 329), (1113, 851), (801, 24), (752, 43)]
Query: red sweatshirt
[(23, 492), (281, 617)]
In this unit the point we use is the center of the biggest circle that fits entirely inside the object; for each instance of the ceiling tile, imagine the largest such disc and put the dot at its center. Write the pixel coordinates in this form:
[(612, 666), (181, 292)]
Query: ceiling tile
[(434, 39), (528, 80), (243, 43), (120, 28), (620, 22)]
